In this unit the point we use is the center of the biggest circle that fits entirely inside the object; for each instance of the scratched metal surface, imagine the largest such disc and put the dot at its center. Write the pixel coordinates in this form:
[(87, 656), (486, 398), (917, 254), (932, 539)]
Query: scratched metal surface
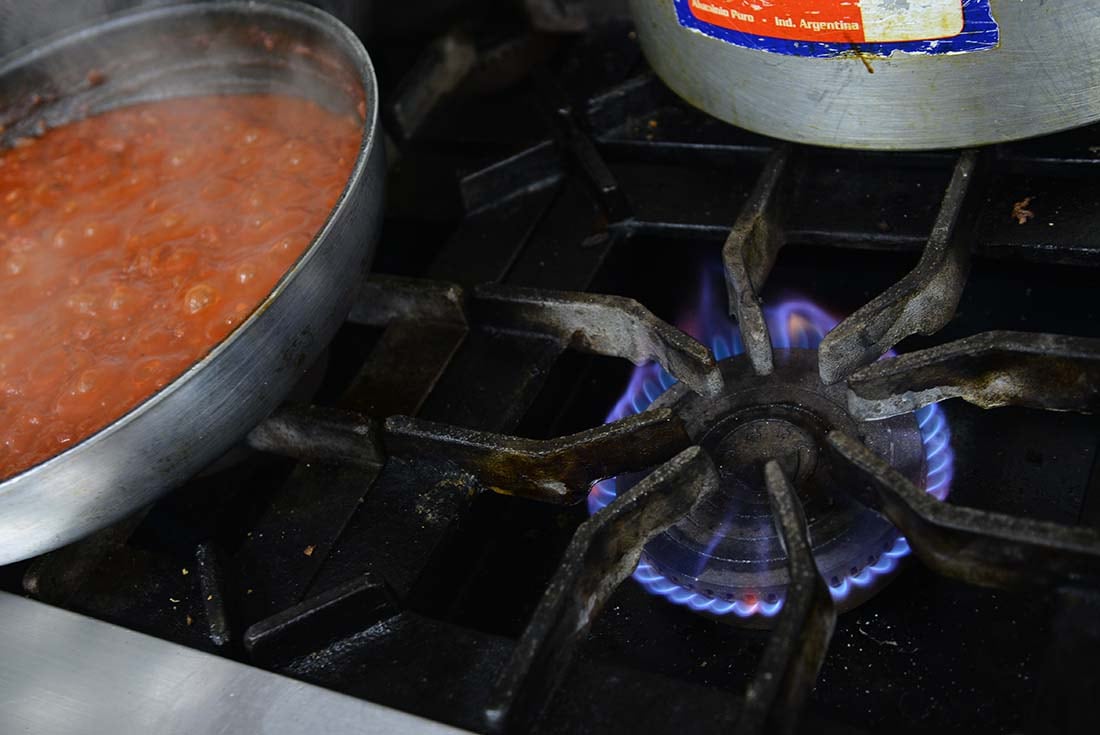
[(1043, 77)]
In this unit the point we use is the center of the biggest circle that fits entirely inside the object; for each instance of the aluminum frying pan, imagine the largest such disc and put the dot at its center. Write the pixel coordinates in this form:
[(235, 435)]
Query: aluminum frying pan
[(202, 48)]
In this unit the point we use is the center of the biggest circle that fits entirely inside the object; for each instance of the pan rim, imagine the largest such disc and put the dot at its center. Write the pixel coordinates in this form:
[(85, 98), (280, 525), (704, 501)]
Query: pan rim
[(323, 22)]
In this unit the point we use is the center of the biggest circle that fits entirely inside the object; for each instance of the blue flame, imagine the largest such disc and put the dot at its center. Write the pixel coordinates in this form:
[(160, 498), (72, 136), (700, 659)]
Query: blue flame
[(937, 451), (792, 324)]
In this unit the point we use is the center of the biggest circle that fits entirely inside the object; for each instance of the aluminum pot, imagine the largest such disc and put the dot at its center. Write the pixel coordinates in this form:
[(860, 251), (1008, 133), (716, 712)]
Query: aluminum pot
[(202, 48), (882, 74)]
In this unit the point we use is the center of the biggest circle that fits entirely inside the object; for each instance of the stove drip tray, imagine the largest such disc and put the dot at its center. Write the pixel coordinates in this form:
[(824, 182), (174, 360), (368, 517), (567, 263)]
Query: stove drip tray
[(726, 558)]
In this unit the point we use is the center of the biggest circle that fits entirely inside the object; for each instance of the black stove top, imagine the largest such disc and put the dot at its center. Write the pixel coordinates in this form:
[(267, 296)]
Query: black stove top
[(553, 209)]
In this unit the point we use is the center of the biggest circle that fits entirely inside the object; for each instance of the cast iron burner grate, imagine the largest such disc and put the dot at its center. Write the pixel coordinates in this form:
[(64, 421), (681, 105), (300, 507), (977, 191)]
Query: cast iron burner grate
[(340, 568), (979, 547)]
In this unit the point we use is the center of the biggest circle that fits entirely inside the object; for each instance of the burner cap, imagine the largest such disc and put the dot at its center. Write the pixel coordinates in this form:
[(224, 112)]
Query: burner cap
[(725, 557), (727, 548)]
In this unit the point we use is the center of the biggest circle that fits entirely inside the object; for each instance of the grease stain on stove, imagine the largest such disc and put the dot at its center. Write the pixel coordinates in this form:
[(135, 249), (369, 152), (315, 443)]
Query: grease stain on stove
[(457, 483)]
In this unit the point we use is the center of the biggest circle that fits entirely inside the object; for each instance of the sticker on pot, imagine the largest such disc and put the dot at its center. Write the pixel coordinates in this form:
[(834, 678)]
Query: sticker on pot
[(827, 28)]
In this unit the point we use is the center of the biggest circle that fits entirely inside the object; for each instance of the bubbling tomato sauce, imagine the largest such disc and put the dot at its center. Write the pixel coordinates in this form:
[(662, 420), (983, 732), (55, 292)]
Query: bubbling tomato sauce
[(132, 242)]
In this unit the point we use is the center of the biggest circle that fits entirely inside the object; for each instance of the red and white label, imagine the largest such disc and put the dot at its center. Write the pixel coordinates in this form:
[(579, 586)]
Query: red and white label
[(832, 21)]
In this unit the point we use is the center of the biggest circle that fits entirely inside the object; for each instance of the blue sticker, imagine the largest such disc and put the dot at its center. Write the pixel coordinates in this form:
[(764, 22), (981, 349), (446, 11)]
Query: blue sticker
[(830, 28)]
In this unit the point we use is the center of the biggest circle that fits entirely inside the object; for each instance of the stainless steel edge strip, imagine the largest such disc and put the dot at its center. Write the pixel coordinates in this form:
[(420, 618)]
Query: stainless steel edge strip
[(63, 673)]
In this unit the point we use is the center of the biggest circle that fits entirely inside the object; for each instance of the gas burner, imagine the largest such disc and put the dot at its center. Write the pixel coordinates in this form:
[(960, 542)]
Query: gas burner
[(726, 557)]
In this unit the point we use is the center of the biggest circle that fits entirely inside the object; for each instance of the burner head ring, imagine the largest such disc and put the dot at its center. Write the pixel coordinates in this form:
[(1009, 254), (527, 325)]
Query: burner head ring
[(727, 548)]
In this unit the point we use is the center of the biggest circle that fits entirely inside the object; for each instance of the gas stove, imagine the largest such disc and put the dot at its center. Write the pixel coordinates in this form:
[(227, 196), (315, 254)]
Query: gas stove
[(830, 410)]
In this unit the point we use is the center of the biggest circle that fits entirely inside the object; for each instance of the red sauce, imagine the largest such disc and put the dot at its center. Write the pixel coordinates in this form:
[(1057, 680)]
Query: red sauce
[(133, 242)]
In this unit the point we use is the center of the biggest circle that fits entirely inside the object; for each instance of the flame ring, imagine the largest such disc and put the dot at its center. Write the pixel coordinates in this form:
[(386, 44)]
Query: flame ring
[(801, 325)]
